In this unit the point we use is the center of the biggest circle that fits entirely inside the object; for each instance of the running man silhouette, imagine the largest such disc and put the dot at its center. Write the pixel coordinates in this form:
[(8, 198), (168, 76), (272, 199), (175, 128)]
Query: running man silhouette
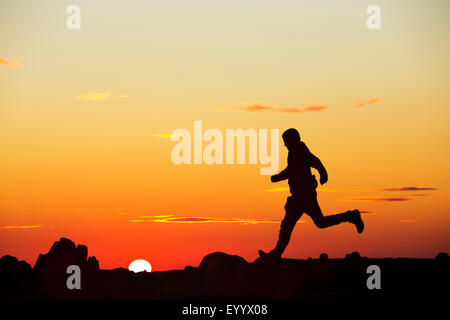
[(303, 199)]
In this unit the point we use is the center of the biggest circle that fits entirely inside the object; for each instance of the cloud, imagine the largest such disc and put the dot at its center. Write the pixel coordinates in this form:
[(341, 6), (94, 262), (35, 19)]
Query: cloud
[(21, 227), (162, 135), (306, 109), (404, 189), (91, 96), (283, 189), (341, 189), (363, 104), (16, 63), (392, 199), (191, 219), (256, 107), (408, 189), (174, 219), (408, 221)]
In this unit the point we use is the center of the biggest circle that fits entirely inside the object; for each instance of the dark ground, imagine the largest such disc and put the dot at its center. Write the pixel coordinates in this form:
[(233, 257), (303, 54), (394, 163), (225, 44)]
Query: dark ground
[(223, 277)]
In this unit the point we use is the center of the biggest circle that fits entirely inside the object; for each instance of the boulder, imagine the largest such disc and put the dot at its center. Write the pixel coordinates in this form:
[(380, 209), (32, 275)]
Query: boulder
[(219, 262), (323, 257), (442, 257), (15, 276), (353, 256), (51, 268)]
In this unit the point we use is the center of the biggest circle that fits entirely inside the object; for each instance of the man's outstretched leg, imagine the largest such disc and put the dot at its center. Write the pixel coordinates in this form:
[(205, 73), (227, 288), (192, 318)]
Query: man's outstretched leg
[(291, 217), (321, 221)]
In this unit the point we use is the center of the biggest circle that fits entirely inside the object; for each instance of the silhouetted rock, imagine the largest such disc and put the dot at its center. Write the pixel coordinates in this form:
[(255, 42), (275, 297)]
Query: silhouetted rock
[(51, 268), (221, 276), (15, 276), (93, 264), (353, 256), (219, 262), (12, 265), (323, 257), (61, 252), (442, 257)]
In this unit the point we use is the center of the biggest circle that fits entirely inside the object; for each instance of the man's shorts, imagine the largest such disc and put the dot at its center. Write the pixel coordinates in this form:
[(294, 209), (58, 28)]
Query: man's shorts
[(306, 203)]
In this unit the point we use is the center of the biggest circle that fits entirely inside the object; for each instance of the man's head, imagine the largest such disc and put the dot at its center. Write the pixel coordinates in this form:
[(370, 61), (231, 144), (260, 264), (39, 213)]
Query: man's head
[(291, 138)]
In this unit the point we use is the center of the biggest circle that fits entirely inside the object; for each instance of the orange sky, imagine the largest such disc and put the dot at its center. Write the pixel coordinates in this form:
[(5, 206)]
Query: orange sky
[(85, 118)]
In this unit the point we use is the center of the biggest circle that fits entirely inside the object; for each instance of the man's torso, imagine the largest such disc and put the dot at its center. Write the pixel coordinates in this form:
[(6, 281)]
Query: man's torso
[(301, 182)]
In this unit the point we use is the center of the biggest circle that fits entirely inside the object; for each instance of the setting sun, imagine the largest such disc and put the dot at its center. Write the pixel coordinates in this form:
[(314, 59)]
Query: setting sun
[(140, 265)]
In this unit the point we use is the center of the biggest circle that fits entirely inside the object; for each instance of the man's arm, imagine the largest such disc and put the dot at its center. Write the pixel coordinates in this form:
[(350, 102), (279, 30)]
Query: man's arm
[(283, 175), (317, 164)]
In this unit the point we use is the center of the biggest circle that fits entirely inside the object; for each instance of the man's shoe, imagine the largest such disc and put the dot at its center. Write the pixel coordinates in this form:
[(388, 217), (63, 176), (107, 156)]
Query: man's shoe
[(356, 220)]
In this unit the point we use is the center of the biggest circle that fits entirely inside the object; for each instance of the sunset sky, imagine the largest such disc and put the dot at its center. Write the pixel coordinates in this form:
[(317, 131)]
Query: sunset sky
[(86, 117)]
